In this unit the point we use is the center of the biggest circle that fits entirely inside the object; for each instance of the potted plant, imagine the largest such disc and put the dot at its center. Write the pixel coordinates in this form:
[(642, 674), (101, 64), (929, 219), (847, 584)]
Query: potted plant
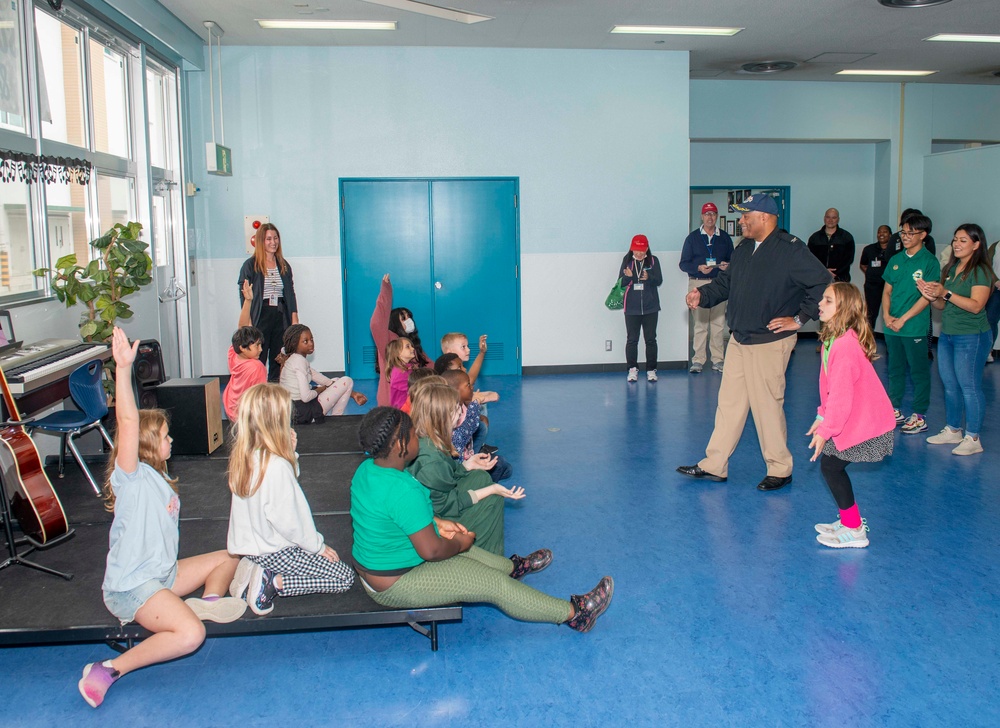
[(121, 267)]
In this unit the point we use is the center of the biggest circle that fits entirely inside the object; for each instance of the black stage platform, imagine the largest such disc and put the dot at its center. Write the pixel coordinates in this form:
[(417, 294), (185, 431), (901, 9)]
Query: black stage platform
[(37, 608)]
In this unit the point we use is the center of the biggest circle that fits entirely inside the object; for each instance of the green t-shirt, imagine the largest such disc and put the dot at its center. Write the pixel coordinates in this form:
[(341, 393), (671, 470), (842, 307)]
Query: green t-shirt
[(958, 321), (902, 273), (387, 507)]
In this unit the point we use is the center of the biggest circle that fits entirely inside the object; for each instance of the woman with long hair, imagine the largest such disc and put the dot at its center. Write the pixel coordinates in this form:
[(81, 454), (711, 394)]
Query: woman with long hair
[(266, 280)]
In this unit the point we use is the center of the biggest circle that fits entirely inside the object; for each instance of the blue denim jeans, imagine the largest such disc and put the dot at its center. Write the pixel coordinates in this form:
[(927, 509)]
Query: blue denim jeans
[(961, 358), (993, 313)]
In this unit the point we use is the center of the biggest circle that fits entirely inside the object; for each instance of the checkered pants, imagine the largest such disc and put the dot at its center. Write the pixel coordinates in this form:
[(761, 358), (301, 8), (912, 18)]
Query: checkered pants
[(306, 573)]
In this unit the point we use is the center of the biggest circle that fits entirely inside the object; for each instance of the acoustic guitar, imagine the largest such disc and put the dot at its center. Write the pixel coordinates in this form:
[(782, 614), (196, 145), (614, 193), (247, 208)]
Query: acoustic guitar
[(33, 500)]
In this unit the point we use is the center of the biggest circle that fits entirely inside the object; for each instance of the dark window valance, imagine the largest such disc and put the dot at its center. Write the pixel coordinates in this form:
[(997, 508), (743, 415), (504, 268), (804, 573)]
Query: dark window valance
[(30, 168)]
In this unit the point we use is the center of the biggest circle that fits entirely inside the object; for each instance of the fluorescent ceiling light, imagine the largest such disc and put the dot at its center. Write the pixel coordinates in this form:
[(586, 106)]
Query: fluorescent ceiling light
[(327, 24), (435, 11), (674, 30), (847, 72), (965, 38)]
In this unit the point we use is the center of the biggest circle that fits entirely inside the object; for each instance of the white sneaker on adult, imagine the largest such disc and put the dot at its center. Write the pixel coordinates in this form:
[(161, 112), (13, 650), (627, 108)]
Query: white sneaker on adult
[(845, 538), (695, 368), (633, 374), (969, 446), (946, 436), (651, 375), (717, 367)]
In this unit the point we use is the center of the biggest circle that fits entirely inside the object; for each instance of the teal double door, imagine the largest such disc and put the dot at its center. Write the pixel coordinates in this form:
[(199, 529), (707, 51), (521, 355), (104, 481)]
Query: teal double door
[(451, 249)]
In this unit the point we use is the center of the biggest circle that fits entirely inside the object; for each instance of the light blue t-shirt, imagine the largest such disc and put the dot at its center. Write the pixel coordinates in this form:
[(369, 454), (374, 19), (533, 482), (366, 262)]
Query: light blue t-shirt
[(144, 533)]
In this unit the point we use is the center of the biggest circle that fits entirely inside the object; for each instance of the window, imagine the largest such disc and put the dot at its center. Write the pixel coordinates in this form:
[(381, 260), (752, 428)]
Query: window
[(11, 68), (115, 201), (17, 250), (109, 94), (60, 81), (66, 215)]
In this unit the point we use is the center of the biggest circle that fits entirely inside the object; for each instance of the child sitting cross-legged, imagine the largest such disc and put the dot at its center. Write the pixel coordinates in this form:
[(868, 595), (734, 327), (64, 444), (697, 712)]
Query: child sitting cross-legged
[(465, 431), (245, 367), (270, 523), (408, 558)]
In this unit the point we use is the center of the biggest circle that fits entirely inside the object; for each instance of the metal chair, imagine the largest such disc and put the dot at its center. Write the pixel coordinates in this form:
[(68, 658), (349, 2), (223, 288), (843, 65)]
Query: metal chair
[(87, 391)]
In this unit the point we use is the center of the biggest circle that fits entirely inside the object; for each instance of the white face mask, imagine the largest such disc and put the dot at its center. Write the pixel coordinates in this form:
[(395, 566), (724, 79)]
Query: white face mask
[(408, 326)]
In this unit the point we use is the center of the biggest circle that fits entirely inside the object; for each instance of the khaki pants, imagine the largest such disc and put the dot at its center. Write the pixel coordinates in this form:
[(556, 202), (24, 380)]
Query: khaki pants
[(709, 326), (753, 380)]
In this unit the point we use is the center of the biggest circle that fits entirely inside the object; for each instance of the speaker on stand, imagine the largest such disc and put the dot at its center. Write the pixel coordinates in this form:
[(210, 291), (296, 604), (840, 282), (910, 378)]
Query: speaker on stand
[(147, 373)]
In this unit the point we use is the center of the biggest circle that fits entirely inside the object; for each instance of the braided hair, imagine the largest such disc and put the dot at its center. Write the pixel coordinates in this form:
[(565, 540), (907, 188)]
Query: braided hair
[(290, 340), (381, 429)]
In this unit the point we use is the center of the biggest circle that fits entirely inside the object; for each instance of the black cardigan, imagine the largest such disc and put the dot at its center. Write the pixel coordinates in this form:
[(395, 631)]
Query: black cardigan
[(249, 271)]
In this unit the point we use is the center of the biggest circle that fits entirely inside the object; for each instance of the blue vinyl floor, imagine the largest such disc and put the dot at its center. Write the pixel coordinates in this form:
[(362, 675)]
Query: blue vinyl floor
[(726, 612)]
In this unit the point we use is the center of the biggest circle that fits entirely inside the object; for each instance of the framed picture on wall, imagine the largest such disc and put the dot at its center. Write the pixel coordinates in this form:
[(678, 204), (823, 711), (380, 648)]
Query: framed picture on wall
[(732, 199), (731, 227), (746, 194), (739, 196), (722, 223)]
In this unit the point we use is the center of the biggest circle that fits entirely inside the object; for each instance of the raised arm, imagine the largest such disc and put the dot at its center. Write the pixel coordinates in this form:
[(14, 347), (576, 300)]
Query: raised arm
[(247, 293), (126, 412), (380, 316), (477, 363)]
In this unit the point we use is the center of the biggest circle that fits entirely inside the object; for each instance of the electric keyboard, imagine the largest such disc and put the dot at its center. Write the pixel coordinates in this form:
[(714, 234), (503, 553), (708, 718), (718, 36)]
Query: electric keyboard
[(36, 365)]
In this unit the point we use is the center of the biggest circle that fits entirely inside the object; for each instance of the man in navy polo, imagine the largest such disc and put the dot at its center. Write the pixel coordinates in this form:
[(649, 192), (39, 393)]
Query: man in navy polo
[(707, 251)]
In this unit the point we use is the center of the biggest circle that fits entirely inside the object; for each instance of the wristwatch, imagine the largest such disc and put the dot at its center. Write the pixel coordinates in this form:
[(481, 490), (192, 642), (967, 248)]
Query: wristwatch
[(947, 296), (797, 320)]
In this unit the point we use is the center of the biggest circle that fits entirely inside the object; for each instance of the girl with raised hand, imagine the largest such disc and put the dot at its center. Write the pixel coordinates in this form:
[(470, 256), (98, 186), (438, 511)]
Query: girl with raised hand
[(144, 581)]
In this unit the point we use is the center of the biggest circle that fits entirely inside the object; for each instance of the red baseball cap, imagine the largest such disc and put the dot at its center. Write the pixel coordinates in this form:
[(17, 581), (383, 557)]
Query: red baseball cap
[(709, 207), (640, 243)]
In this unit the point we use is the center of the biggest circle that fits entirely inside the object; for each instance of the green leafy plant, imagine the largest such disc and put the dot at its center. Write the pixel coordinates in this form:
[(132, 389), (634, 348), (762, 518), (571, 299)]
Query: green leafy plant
[(122, 267)]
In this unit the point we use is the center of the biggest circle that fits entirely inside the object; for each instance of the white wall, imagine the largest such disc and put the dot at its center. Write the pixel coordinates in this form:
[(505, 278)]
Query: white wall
[(598, 139)]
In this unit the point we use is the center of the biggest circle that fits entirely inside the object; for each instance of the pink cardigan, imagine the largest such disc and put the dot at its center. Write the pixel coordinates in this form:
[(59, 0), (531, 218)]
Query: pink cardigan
[(382, 336), (853, 402)]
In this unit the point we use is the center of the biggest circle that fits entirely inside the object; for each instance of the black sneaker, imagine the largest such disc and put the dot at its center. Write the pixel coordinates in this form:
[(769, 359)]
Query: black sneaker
[(588, 607), (535, 561), (261, 593)]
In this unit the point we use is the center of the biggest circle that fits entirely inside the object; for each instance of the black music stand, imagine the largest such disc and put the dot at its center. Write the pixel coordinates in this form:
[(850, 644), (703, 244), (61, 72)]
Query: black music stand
[(16, 558)]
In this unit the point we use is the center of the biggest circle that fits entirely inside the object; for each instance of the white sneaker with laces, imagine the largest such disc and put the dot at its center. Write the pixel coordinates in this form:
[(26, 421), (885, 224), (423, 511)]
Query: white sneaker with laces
[(914, 424), (633, 374), (835, 526), (969, 446), (947, 435), (651, 375), (846, 538)]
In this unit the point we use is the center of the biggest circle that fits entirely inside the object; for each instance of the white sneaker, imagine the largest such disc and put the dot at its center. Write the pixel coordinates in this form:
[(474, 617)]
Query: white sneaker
[(241, 579), (717, 367), (969, 446), (651, 375), (633, 375), (695, 368), (846, 538), (220, 609), (829, 527), (947, 435)]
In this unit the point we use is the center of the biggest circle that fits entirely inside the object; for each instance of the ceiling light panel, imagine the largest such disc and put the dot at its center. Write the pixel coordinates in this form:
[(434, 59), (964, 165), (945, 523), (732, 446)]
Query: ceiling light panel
[(964, 38), (674, 30), (847, 72), (327, 24)]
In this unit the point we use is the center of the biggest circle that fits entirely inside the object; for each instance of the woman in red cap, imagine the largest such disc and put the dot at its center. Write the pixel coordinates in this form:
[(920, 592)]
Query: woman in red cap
[(641, 275)]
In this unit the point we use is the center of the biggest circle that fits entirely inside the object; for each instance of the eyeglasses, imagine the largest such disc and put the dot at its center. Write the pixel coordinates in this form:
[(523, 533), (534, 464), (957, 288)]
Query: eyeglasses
[(905, 234)]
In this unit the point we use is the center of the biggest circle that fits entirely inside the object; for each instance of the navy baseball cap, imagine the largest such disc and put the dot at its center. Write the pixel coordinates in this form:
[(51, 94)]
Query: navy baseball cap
[(758, 203)]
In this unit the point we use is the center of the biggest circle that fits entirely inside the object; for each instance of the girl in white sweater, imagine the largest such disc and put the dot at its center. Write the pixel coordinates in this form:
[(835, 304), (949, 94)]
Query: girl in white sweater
[(270, 523), (310, 404)]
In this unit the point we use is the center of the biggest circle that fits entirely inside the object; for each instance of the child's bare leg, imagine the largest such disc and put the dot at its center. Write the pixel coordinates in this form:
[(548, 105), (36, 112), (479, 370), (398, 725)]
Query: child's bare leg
[(213, 570), (178, 632)]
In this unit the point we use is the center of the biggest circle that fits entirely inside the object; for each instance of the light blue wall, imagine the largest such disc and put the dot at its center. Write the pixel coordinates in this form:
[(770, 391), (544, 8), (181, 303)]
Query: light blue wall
[(820, 176), (966, 113), (597, 139), (961, 187)]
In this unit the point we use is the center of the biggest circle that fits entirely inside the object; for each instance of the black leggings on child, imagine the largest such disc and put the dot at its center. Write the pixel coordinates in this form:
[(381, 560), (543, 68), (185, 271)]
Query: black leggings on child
[(835, 472)]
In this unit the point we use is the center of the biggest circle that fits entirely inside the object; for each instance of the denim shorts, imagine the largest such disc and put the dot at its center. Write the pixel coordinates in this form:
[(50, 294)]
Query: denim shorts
[(125, 604)]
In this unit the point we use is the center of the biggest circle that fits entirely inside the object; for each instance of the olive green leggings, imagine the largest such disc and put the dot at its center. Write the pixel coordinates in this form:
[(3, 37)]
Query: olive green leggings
[(473, 576)]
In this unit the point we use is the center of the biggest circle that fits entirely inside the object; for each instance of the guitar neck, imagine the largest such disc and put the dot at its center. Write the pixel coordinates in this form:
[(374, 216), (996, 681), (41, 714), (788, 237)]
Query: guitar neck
[(8, 399)]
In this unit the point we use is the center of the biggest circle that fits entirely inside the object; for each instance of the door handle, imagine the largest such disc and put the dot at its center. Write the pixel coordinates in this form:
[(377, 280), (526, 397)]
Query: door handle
[(437, 285), (173, 292)]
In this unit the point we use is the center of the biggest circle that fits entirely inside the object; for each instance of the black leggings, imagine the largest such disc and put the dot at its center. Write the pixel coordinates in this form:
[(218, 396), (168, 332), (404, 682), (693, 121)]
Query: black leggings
[(271, 324), (873, 301), (835, 472), (632, 325)]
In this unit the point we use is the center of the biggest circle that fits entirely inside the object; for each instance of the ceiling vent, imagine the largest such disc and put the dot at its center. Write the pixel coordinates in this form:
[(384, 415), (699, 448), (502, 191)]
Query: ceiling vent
[(912, 3), (765, 67)]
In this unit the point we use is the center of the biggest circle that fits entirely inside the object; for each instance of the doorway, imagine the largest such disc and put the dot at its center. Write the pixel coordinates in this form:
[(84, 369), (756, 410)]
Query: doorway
[(451, 247), (728, 218)]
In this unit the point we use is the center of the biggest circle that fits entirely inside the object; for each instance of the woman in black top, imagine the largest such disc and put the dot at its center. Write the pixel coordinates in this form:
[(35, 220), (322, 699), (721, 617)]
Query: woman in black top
[(641, 275), (272, 305)]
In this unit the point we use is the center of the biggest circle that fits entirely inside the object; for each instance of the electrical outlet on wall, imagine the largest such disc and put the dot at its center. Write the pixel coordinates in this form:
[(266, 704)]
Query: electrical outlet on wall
[(607, 345)]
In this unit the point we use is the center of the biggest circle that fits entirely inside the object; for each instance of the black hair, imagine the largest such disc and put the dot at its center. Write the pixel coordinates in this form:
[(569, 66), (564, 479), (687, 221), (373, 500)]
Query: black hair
[(918, 222), (382, 428), (417, 374), (396, 327), (978, 259), (453, 377), (290, 341), (245, 337), (442, 362)]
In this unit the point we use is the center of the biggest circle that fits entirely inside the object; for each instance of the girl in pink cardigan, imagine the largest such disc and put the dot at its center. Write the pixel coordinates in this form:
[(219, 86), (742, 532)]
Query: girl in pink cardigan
[(854, 422)]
